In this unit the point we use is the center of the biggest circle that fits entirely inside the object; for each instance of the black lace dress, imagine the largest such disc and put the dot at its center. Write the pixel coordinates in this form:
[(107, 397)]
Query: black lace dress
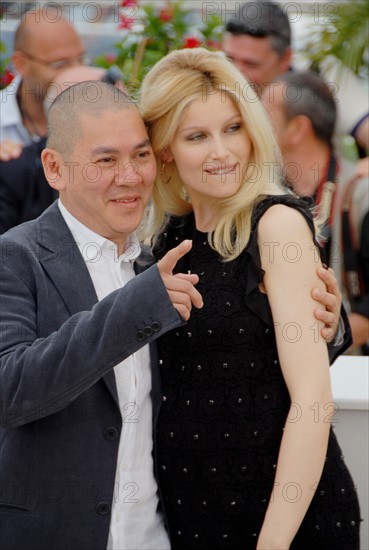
[(224, 406)]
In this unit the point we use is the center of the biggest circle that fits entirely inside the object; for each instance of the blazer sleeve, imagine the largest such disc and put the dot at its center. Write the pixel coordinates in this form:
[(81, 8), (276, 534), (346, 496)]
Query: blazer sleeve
[(41, 375)]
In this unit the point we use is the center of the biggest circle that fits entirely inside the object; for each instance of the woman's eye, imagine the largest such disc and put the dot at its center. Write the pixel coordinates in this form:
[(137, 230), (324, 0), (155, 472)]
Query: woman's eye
[(234, 128), (196, 137)]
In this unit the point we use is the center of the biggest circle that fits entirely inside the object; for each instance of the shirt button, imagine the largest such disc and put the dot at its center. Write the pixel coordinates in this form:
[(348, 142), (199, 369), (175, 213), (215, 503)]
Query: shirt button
[(103, 508), (140, 335), (156, 326), (111, 433)]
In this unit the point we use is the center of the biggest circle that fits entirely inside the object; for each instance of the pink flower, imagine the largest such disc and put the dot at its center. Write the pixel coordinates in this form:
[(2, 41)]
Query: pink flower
[(191, 42), (128, 3), (165, 15), (110, 57), (126, 22), (213, 44), (6, 78)]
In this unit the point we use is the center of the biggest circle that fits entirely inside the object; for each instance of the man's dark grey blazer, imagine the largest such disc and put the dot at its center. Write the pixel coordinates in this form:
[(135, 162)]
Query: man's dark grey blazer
[(60, 415)]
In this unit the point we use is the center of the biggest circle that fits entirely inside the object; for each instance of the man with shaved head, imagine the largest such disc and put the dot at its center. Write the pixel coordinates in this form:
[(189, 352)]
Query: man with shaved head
[(45, 43), (24, 190), (78, 397)]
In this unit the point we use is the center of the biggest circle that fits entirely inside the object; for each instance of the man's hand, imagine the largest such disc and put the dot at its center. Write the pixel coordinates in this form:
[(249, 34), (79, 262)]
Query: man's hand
[(10, 150), (332, 300), (180, 287)]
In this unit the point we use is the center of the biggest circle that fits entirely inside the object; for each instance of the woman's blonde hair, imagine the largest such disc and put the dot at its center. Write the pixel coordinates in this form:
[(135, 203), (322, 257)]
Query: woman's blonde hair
[(170, 86)]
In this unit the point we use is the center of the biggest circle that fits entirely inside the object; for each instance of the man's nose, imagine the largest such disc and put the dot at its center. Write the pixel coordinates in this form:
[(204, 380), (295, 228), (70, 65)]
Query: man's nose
[(127, 174)]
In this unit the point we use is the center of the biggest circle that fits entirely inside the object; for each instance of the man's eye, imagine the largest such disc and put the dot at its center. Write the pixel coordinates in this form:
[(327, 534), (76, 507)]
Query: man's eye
[(106, 160), (144, 154)]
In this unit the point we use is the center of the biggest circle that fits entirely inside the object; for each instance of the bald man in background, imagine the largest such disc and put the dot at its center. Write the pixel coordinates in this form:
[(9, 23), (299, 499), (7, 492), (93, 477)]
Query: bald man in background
[(43, 47)]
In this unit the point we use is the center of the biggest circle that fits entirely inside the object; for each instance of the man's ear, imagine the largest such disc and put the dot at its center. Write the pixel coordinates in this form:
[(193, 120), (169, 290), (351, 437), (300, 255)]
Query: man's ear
[(20, 63), (299, 129), (52, 164), (166, 155), (286, 59)]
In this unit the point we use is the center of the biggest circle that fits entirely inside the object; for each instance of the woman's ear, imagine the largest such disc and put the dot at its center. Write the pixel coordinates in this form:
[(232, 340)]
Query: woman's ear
[(52, 165), (166, 155)]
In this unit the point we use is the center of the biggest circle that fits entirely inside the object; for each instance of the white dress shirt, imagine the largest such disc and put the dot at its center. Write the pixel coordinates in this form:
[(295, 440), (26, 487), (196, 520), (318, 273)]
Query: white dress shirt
[(11, 123), (135, 523)]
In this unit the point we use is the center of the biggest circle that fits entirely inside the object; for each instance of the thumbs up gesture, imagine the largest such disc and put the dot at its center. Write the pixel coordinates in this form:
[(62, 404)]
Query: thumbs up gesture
[(180, 287)]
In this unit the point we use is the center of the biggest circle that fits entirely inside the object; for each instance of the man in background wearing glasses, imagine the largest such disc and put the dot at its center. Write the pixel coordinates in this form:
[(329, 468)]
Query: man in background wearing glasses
[(257, 40), (44, 44)]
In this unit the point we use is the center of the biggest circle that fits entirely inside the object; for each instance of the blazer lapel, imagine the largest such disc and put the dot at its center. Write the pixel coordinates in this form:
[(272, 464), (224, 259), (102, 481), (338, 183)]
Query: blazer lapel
[(63, 262)]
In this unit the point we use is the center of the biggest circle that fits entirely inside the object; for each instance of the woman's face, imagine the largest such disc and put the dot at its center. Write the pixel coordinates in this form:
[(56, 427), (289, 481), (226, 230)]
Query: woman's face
[(211, 148)]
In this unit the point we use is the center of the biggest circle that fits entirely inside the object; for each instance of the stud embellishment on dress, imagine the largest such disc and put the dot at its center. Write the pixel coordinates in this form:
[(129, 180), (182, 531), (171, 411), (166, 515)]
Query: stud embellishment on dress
[(211, 402), (185, 471), (196, 437), (239, 400), (164, 398), (241, 331), (213, 470), (199, 367), (228, 304), (224, 274), (204, 503), (179, 502), (225, 365), (163, 468), (189, 334), (210, 332)]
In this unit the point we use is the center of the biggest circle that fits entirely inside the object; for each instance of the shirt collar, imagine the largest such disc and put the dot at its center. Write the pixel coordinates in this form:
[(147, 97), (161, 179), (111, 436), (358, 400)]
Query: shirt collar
[(92, 245)]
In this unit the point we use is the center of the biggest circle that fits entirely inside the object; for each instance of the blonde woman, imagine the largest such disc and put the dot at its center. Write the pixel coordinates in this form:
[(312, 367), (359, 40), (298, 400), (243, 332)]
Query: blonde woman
[(245, 453)]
